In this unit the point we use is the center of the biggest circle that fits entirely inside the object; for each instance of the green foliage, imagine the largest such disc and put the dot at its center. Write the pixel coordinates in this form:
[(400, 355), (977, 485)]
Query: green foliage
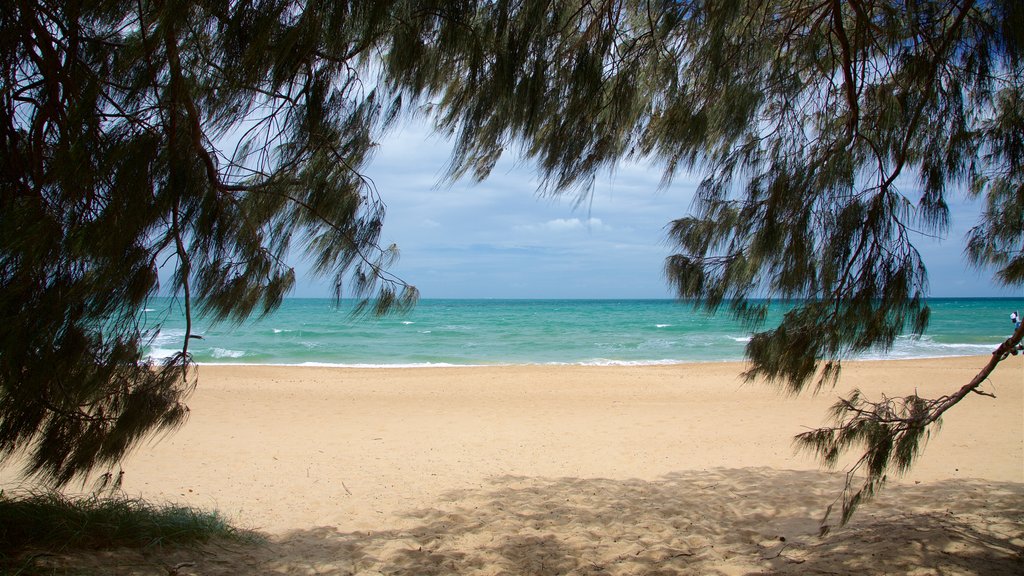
[(809, 121), (828, 134), (48, 524), (217, 136), (889, 432), (209, 137), (996, 240), (56, 523)]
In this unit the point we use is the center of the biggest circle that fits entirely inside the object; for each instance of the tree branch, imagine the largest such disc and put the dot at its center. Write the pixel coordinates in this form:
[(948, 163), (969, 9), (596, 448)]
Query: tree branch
[(890, 431)]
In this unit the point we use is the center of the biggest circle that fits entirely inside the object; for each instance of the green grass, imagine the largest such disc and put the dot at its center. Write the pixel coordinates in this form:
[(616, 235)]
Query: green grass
[(55, 523)]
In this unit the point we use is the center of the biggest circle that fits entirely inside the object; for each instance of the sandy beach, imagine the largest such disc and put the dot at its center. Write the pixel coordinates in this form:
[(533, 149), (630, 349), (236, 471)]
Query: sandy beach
[(574, 470)]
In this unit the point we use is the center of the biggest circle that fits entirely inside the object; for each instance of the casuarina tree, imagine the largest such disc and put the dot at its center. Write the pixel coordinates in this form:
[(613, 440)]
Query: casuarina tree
[(209, 138), (828, 133), (217, 135)]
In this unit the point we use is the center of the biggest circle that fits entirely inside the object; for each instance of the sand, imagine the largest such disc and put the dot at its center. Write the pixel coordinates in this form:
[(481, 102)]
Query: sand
[(573, 470)]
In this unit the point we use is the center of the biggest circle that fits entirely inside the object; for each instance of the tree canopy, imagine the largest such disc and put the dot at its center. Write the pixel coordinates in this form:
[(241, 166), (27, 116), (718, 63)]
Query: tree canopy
[(208, 137), (218, 135), (828, 133)]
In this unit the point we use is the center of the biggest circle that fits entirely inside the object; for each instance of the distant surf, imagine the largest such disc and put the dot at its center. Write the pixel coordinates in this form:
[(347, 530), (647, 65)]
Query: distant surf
[(443, 333)]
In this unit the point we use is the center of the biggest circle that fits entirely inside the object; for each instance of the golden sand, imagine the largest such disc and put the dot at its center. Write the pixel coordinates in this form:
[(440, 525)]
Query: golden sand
[(576, 470)]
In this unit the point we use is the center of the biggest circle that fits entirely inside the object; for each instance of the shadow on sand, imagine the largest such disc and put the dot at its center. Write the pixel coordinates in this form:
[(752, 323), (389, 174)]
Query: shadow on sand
[(731, 521)]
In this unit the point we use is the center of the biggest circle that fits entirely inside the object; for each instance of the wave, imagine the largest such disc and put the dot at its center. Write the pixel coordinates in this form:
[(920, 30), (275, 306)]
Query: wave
[(657, 344), (157, 354), (534, 333), (361, 365), (349, 365), (595, 362), (165, 343), (608, 362), (907, 347)]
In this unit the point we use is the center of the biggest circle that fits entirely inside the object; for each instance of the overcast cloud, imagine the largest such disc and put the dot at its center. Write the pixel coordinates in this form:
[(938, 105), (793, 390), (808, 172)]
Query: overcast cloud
[(499, 239)]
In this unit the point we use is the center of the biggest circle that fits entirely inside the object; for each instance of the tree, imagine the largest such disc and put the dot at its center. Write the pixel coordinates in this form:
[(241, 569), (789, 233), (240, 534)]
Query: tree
[(210, 137), (829, 133)]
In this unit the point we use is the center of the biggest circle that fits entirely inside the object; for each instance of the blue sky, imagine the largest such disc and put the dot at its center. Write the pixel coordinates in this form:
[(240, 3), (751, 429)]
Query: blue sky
[(499, 239)]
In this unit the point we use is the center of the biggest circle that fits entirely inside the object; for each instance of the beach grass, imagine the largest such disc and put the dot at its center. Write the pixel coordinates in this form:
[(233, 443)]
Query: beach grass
[(51, 523)]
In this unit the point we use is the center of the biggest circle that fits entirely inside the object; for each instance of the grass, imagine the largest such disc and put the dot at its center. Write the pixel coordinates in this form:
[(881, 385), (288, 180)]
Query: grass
[(53, 523)]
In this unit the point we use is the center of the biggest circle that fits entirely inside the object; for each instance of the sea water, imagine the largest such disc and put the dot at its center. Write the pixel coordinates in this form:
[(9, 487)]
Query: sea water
[(499, 332)]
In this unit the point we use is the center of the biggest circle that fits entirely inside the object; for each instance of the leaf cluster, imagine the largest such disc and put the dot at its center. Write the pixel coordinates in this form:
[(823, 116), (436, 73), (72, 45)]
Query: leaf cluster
[(890, 432), (828, 136), (809, 120), (211, 138), (215, 137)]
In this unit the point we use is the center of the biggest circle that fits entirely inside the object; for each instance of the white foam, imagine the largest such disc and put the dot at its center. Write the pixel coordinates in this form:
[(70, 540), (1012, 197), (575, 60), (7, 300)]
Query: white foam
[(161, 353), (166, 343), (593, 362), (349, 365), (925, 347), (978, 347), (170, 334), (662, 325), (609, 362), (657, 344), (225, 353), (409, 365)]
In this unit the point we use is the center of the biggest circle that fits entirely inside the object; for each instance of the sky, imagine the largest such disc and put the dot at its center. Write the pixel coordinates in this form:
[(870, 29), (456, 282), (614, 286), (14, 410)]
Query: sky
[(500, 239)]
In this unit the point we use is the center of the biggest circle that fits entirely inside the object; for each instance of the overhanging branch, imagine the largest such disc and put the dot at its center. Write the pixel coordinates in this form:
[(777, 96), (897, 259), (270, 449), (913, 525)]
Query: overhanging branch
[(889, 431)]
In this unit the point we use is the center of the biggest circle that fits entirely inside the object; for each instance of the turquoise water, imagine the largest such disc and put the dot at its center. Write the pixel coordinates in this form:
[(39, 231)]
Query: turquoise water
[(489, 332)]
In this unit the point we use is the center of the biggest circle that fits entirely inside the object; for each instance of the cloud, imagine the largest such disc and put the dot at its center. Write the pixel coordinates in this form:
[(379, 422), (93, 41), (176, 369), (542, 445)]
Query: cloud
[(574, 224), (499, 238), (558, 225)]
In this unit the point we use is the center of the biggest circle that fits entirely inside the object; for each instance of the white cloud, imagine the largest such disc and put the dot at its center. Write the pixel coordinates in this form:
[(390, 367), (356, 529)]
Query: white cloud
[(559, 225), (498, 238)]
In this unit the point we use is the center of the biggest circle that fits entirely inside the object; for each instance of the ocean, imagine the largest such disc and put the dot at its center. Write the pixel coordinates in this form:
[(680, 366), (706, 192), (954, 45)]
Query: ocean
[(317, 332)]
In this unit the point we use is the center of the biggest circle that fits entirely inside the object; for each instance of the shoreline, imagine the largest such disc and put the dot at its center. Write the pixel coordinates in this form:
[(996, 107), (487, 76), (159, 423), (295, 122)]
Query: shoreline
[(549, 332), (583, 364)]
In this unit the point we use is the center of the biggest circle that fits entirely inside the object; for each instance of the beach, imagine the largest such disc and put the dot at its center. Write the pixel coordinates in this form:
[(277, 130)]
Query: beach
[(540, 469)]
